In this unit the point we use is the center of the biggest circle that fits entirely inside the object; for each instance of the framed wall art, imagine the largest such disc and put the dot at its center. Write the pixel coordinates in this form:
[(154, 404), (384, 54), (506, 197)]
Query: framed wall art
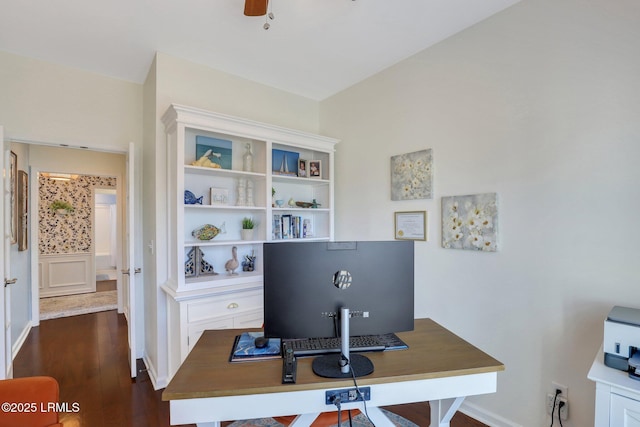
[(14, 206), (411, 225), (23, 211), (470, 222), (411, 176)]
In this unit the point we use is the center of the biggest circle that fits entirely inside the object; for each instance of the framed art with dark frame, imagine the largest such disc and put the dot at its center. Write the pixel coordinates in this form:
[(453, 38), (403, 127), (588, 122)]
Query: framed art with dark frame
[(14, 207), (23, 210), (315, 169)]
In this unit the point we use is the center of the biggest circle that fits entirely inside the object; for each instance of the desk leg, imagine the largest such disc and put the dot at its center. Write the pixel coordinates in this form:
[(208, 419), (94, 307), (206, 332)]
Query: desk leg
[(443, 410), (303, 420), (379, 418)]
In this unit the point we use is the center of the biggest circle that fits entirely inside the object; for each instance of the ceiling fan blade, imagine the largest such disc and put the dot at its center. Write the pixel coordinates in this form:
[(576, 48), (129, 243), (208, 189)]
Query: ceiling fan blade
[(255, 7)]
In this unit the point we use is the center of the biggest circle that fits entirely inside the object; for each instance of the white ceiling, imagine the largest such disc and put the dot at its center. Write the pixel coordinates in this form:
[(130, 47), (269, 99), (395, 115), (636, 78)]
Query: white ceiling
[(314, 48)]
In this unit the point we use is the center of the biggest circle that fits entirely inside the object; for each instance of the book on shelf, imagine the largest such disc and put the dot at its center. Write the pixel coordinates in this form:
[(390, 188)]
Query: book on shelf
[(290, 227), (245, 350)]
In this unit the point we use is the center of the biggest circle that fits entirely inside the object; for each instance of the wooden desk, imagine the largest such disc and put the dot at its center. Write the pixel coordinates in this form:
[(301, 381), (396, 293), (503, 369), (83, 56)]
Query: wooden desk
[(438, 367)]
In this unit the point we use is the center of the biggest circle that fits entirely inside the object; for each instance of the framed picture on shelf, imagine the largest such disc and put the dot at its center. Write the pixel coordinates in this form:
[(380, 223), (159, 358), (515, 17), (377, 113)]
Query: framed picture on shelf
[(302, 168), (219, 196), (221, 150), (284, 162), (315, 169)]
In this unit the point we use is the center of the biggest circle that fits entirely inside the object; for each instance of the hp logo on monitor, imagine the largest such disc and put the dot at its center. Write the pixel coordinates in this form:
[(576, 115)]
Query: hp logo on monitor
[(342, 279)]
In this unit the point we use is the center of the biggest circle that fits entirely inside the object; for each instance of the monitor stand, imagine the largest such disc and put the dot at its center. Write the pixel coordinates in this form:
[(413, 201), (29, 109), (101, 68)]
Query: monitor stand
[(342, 365)]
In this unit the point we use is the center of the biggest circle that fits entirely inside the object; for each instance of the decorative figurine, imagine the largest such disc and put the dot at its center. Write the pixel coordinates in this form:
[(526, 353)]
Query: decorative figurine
[(249, 262), (249, 193), (231, 265), (292, 202), (247, 164), (196, 265), (191, 199), (242, 192), (207, 232)]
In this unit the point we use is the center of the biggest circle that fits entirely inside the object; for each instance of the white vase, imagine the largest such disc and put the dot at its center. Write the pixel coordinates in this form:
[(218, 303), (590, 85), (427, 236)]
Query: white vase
[(247, 234)]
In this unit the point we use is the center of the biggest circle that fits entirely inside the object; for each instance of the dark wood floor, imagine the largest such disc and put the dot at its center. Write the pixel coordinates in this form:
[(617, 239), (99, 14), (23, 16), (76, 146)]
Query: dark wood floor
[(88, 356)]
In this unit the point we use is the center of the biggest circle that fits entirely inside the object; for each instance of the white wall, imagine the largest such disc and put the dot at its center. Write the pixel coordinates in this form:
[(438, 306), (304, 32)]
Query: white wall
[(51, 103), (540, 104)]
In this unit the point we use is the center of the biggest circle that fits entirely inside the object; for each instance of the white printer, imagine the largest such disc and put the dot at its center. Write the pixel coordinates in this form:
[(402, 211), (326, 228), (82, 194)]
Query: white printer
[(622, 340)]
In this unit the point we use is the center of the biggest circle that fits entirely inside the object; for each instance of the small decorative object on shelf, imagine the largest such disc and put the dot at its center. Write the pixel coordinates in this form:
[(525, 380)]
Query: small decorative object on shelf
[(191, 199), (249, 193), (280, 203), (292, 203), (231, 265), (247, 163), (61, 207), (314, 204), (247, 228), (204, 160), (207, 232), (273, 195), (196, 265), (249, 263), (242, 192), (304, 204)]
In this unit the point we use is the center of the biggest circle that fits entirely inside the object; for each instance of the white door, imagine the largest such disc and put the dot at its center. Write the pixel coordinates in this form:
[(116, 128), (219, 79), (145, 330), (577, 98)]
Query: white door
[(6, 360), (130, 271)]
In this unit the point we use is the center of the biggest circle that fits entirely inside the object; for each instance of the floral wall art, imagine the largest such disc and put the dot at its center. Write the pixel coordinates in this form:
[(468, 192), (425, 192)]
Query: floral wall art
[(470, 222), (411, 176)]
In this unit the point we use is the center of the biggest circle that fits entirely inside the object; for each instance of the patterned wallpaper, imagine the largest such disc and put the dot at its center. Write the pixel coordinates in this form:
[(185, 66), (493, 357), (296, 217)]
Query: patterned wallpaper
[(66, 234)]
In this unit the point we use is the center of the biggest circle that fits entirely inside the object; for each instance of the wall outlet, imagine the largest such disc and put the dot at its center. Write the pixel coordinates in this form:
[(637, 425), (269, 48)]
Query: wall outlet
[(564, 411), (564, 390)]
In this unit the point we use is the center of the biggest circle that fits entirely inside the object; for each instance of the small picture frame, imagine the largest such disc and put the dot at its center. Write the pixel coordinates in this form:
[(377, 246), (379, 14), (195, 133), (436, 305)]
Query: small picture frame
[(219, 196), (315, 169), (303, 171), (411, 225)]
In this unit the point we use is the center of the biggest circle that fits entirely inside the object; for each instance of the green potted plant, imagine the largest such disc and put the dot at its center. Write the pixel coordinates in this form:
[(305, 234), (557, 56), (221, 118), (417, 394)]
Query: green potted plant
[(247, 228), (61, 207)]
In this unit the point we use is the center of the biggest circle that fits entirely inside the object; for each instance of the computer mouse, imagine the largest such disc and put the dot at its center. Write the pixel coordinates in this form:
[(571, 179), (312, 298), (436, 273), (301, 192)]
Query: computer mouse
[(261, 342)]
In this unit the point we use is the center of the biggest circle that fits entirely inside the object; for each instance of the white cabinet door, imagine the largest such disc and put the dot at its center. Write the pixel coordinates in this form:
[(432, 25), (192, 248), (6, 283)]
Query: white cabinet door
[(625, 412)]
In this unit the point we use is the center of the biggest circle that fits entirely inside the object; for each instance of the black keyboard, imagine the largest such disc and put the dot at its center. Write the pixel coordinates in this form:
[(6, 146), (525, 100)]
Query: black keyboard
[(318, 346)]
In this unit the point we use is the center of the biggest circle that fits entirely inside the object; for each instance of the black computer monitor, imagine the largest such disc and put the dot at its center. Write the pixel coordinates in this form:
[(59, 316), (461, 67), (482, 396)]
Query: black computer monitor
[(306, 284)]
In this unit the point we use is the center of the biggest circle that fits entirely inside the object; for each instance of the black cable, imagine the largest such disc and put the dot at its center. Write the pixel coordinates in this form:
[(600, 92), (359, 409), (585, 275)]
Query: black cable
[(336, 402), (350, 419), (560, 405), (355, 383), (553, 408)]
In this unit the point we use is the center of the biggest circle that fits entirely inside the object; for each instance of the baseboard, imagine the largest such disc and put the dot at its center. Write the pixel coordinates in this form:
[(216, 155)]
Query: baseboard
[(485, 417), (158, 383), (21, 339)]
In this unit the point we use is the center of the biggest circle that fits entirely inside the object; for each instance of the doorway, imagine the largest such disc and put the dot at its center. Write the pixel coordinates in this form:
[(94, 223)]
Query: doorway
[(79, 245)]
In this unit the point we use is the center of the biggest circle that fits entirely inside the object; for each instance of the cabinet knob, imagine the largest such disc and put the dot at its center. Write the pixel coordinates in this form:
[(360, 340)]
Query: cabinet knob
[(232, 306)]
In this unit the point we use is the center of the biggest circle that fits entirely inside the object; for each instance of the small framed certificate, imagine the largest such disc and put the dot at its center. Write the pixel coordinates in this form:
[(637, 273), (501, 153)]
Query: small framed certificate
[(411, 225)]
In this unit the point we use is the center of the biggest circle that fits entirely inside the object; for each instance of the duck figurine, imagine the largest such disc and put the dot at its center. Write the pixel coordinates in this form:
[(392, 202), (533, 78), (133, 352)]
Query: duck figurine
[(231, 265)]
